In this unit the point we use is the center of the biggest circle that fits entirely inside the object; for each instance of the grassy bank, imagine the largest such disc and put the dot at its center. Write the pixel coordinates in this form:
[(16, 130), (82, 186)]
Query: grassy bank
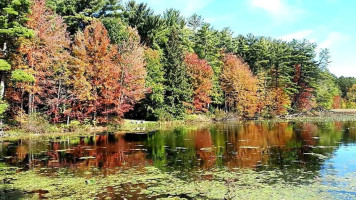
[(43, 130)]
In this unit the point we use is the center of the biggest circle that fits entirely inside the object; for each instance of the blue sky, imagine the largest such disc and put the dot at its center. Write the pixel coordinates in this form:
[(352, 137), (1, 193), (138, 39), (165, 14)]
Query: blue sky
[(330, 23)]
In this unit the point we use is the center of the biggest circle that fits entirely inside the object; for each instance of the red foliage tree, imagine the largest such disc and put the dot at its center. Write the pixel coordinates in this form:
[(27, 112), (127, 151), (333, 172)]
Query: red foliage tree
[(45, 57), (105, 82), (303, 99), (201, 76)]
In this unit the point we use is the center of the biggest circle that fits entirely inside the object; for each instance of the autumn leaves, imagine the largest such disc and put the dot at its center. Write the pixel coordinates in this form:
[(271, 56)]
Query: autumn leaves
[(86, 79)]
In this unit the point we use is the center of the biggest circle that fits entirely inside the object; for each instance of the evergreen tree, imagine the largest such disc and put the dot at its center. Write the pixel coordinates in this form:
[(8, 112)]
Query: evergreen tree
[(77, 13), (206, 43), (178, 90), (345, 83), (13, 16), (141, 17)]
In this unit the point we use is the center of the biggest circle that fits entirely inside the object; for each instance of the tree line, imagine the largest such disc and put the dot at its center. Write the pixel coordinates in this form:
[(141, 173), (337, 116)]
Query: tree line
[(103, 60)]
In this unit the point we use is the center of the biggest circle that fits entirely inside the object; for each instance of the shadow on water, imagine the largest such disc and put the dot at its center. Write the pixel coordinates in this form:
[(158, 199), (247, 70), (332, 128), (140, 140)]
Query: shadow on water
[(11, 194)]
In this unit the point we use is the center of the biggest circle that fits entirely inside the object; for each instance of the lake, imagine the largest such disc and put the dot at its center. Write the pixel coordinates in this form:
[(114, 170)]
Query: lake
[(284, 160)]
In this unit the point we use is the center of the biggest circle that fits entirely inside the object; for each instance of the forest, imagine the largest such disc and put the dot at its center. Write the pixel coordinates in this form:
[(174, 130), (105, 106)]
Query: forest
[(100, 61)]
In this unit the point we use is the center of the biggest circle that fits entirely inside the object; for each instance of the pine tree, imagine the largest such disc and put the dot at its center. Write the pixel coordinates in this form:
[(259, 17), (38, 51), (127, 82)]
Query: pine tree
[(77, 13), (13, 17), (178, 90), (206, 43)]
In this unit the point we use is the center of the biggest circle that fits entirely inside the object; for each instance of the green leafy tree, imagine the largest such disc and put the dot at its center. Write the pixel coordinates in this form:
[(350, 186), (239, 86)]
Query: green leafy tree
[(111, 8), (77, 13), (195, 22), (117, 30), (13, 16), (326, 90), (151, 106), (178, 90), (307, 73), (22, 78), (154, 81), (351, 97), (206, 42), (227, 42), (345, 83), (142, 18)]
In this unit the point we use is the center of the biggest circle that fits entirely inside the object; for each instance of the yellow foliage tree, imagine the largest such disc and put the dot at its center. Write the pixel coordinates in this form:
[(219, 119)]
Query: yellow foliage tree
[(239, 86)]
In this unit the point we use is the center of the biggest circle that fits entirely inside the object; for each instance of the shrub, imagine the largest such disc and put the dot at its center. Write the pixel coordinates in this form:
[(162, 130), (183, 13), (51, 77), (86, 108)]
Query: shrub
[(164, 116), (219, 114), (35, 122)]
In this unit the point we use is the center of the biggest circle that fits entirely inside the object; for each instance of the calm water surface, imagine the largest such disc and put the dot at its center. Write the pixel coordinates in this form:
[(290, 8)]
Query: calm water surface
[(323, 149)]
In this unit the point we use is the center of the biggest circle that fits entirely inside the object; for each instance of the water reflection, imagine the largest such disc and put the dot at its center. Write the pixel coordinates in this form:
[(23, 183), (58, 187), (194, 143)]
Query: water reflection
[(252, 145)]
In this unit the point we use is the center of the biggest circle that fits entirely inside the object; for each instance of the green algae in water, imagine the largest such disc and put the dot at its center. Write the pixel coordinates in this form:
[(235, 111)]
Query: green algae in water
[(151, 182)]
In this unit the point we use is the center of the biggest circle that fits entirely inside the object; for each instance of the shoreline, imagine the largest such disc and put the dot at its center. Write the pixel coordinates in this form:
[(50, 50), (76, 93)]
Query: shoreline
[(141, 126)]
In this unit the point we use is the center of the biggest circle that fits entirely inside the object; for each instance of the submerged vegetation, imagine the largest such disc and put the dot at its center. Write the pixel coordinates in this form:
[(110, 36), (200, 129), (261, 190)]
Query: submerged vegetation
[(149, 182)]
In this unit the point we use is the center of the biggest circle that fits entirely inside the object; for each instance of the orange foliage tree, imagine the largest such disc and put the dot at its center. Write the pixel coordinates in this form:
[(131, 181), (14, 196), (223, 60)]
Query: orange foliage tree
[(201, 79), (278, 101), (44, 57), (133, 71), (337, 101), (106, 79), (239, 86)]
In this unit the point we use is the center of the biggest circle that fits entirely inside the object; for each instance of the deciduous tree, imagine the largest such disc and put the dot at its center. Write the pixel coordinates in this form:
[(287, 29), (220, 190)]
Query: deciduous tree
[(107, 79), (201, 79), (46, 56), (239, 86)]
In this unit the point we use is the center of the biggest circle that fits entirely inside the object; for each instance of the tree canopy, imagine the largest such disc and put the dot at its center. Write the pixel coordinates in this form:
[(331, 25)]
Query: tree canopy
[(104, 60)]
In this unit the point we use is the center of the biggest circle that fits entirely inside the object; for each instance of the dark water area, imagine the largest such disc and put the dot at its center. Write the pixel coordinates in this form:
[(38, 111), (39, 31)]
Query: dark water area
[(319, 148)]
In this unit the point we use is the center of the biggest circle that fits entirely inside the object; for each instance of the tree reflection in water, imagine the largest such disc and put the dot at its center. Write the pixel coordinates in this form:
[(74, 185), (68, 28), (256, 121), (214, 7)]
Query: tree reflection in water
[(252, 145)]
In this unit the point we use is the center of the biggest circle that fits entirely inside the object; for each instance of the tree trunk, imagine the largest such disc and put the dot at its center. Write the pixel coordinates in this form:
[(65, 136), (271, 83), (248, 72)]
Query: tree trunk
[(2, 92), (94, 120), (2, 85), (30, 104)]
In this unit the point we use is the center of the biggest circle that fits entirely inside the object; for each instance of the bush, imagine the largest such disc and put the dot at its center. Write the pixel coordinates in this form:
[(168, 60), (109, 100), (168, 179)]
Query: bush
[(34, 122), (164, 116), (219, 114), (74, 125), (196, 118)]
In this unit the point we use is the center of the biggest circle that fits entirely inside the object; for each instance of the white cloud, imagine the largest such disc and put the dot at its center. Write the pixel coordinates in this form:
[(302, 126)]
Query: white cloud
[(341, 50), (304, 34), (275, 7), (280, 10), (333, 38), (192, 6), (343, 68), (220, 18), (186, 7)]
